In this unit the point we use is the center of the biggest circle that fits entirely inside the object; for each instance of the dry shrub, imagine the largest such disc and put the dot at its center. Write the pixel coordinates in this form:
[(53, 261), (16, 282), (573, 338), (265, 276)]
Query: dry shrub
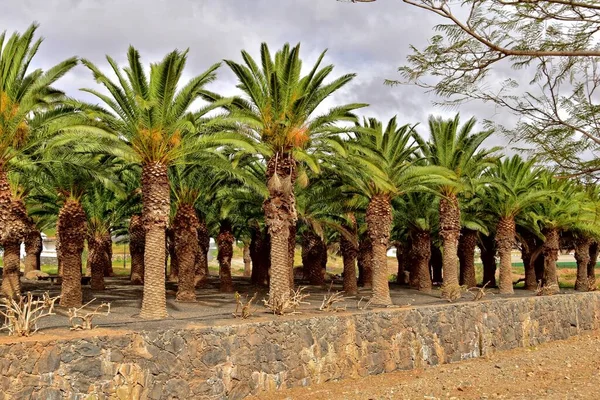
[(84, 321), (243, 308), (21, 317), (281, 305)]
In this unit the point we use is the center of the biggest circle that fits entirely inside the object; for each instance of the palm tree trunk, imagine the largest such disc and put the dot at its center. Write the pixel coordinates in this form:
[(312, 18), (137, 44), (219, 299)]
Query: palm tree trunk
[(379, 225), (292, 253), (450, 233), (174, 266), (259, 253), (436, 263), (97, 258), (488, 259), (59, 257), (33, 250), (136, 249), (185, 235), (312, 253), (72, 231), (466, 257), (591, 272), (202, 254), (505, 239), (247, 260), (280, 214), (11, 281), (225, 242), (107, 260), (349, 249), (421, 257), (402, 256), (365, 263), (5, 207), (528, 251), (156, 206), (582, 256), (550, 251)]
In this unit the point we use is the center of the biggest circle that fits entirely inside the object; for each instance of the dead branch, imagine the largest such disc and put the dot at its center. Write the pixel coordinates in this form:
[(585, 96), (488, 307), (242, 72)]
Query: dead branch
[(244, 309), (546, 290), (282, 304), (478, 292), (330, 299), (366, 305), (20, 317), (84, 322)]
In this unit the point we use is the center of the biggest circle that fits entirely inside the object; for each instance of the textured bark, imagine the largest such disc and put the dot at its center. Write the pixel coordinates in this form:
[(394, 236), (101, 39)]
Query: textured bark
[(550, 250), (202, 254), (466, 257), (582, 256), (402, 258), (260, 254), (33, 250), (174, 264), (436, 264), (349, 250), (59, 257), (247, 260), (97, 258), (155, 215), (225, 242), (312, 253), (72, 231), (185, 235), (5, 207), (11, 282), (488, 259), (379, 224), (136, 249), (592, 265), (421, 255), (280, 215), (529, 252), (291, 253), (505, 240), (450, 233), (365, 263), (107, 261)]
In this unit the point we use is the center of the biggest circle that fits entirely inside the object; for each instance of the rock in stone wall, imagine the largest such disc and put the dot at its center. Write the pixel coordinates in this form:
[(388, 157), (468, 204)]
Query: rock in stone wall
[(233, 361)]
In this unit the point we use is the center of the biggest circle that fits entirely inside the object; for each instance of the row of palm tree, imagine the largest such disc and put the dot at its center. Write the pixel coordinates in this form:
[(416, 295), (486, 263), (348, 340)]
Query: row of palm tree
[(268, 168)]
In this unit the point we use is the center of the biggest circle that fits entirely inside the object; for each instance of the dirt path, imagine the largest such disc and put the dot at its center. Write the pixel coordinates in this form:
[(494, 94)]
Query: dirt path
[(568, 369)]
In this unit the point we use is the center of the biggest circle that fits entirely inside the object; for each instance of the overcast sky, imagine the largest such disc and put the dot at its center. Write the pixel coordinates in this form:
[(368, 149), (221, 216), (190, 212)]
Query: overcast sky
[(370, 39)]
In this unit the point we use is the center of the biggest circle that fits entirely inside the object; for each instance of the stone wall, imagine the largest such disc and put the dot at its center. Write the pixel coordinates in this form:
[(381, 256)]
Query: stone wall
[(235, 360)]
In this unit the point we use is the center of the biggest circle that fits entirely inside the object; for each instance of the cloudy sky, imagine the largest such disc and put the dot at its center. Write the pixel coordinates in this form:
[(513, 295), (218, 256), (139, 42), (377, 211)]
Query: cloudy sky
[(370, 39)]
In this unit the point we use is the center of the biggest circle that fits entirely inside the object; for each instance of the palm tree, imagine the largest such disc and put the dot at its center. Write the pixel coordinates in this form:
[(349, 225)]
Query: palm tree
[(151, 114), (514, 186), (383, 169), (474, 221), (278, 112), (457, 149)]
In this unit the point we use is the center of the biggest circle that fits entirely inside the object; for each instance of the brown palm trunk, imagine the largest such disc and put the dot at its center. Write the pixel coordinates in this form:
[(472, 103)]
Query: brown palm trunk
[(421, 241), (365, 263), (280, 215), (72, 231), (436, 264), (107, 260), (247, 260), (33, 250), (349, 250), (225, 242), (292, 253), (59, 258), (450, 233), (402, 258), (582, 256), (379, 225), (174, 265), (550, 251), (156, 206), (202, 254), (505, 239), (488, 259), (529, 252), (591, 272), (259, 253), (136, 249), (13, 232), (97, 258), (185, 235), (466, 257), (312, 253)]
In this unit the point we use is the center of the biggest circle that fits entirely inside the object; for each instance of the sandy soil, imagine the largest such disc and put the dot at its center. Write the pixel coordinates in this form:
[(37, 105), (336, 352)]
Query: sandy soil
[(568, 369)]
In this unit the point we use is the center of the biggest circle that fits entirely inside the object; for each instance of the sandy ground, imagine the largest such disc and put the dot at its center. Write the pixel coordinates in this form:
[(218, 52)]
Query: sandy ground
[(568, 369)]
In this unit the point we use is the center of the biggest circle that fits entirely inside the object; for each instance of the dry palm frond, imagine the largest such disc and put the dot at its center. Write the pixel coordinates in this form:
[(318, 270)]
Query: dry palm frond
[(478, 292), (364, 306), (244, 309), (330, 299), (281, 305), (84, 322), (20, 317)]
